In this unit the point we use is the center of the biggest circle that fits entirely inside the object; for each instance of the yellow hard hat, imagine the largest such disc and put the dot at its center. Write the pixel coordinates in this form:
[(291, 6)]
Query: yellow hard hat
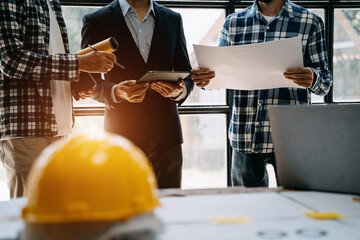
[(90, 179)]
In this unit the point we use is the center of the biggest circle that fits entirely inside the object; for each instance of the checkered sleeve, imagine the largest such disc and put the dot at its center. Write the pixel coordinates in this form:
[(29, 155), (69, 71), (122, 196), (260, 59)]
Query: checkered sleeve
[(317, 60), (224, 34), (17, 57)]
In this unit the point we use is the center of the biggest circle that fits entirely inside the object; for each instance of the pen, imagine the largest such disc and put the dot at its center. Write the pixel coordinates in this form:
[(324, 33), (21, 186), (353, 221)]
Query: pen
[(116, 63)]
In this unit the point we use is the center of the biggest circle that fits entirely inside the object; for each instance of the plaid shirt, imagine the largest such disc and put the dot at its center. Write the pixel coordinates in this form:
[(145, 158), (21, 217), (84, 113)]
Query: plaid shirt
[(26, 107), (249, 130)]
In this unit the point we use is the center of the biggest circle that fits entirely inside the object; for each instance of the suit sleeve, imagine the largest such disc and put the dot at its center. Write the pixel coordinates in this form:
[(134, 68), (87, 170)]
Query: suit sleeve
[(102, 93), (181, 62), (19, 62)]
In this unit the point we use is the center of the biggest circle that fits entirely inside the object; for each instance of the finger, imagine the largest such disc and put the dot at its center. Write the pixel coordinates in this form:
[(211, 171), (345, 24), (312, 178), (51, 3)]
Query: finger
[(86, 93), (172, 86), (201, 80), (110, 63), (139, 87), (203, 76), (83, 96), (108, 55), (135, 100), (301, 82), (297, 70), (202, 84), (181, 84), (128, 83), (200, 71), (138, 97), (304, 84), (139, 91), (299, 76), (161, 85), (143, 84), (299, 79), (200, 77), (159, 90), (169, 87), (109, 66)]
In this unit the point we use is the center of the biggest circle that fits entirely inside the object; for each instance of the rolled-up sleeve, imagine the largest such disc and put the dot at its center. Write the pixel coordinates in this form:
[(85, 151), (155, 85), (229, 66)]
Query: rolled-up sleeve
[(317, 60)]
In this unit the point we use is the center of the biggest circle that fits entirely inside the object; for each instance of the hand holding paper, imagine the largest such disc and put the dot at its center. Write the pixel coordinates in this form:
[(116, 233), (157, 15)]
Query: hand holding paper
[(202, 76), (302, 76), (253, 66)]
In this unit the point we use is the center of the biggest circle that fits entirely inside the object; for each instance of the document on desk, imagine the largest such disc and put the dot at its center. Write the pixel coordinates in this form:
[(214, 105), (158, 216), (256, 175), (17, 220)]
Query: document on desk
[(251, 66)]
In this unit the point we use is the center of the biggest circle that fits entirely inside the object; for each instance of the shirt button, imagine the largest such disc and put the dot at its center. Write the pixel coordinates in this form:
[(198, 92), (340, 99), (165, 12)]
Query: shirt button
[(257, 124), (143, 50), (259, 104), (267, 27), (140, 30)]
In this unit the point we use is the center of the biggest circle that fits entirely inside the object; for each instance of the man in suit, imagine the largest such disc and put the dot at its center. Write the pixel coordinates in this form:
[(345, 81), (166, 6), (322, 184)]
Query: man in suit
[(150, 37), (36, 69)]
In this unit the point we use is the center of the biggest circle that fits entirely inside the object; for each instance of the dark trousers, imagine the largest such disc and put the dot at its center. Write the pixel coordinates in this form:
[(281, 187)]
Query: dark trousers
[(249, 170), (167, 164)]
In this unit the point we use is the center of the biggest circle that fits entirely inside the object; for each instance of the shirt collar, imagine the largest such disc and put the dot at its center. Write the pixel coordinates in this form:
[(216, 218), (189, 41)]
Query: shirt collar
[(286, 10), (125, 6)]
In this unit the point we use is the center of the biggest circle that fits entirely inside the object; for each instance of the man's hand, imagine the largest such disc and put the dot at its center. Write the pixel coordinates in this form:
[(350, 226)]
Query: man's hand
[(301, 76), (131, 91), (202, 76), (86, 93), (97, 62), (167, 89)]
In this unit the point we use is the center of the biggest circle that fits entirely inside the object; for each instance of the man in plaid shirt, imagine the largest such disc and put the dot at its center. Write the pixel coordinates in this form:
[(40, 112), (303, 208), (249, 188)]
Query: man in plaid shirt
[(250, 133), (36, 72)]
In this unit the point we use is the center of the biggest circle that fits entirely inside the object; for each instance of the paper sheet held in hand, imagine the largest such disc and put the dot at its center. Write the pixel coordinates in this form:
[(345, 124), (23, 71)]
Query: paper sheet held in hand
[(252, 66)]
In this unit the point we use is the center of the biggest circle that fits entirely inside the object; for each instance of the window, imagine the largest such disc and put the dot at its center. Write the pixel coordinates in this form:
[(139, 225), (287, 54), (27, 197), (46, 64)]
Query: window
[(205, 151), (73, 19), (346, 55), (202, 26)]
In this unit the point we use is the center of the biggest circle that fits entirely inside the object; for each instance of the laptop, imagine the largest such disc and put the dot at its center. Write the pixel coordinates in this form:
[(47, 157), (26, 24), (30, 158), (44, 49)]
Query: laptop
[(317, 147)]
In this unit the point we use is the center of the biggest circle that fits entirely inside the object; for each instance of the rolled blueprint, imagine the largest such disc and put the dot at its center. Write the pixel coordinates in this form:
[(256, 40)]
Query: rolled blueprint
[(107, 45)]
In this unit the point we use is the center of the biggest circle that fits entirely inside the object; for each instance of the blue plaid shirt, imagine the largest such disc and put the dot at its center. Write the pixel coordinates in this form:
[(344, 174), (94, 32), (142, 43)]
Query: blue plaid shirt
[(249, 130)]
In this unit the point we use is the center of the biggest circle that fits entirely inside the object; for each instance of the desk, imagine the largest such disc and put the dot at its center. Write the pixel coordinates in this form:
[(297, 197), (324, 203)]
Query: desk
[(270, 214)]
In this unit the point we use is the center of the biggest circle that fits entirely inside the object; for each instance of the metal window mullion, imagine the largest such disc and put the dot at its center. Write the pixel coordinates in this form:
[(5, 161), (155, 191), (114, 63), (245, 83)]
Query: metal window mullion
[(329, 26)]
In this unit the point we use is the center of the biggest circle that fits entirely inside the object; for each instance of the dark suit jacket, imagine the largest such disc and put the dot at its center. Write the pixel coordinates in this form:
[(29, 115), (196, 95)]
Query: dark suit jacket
[(156, 118)]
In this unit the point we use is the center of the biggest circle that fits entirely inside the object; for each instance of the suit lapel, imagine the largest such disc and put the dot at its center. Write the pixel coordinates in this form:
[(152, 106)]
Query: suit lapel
[(122, 32)]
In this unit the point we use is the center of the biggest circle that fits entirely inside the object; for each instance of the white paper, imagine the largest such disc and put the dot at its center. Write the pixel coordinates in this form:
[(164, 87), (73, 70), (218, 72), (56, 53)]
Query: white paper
[(278, 214), (290, 229), (326, 202), (253, 206), (252, 66)]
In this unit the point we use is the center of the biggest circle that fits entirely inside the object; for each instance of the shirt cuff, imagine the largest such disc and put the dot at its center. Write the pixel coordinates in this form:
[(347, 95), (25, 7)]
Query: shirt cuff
[(113, 97), (316, 80)]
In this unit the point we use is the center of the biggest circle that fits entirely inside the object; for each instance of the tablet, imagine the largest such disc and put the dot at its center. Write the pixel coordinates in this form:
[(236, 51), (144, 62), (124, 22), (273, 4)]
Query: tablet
[(163, 76)]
